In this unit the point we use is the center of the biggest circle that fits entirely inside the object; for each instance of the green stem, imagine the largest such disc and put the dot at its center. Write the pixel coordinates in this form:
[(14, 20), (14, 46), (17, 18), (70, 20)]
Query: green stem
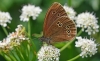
[(8, 56), (29, 28), (32, 42), (5, 30), (79, 32), (70, 41), (74, 58), (4, 55)]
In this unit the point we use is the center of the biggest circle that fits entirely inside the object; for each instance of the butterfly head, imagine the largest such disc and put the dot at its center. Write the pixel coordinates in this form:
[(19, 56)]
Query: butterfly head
[(45, 39)]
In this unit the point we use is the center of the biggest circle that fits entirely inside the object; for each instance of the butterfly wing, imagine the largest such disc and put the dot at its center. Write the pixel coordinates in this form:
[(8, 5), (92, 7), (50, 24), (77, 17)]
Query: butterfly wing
[(54, 12), (62, 29)]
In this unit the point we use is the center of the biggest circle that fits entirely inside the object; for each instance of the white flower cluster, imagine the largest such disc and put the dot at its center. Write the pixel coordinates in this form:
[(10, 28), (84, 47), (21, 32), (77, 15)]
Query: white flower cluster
[(48, 53), (5, 44), (28, 11), (88, 47), (87, 21), (13, 39), (70, 11), (4, 18)]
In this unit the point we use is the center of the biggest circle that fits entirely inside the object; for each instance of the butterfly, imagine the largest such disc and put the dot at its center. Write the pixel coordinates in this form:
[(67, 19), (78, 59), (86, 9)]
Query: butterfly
[(58, 26)]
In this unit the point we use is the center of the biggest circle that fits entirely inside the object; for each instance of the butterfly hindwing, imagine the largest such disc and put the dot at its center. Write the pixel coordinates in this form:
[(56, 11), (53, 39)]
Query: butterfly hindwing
[(62, 29)]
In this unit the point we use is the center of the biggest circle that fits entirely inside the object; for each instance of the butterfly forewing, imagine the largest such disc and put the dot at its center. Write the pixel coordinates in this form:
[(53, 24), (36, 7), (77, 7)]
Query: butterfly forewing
[(54, 12)]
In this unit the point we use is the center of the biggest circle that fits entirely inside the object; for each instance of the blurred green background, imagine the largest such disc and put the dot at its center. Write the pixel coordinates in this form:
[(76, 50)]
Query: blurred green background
[(14, 8)]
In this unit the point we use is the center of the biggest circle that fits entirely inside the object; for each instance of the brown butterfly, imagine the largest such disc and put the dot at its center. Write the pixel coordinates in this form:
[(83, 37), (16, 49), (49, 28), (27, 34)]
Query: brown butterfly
[(58, 26)]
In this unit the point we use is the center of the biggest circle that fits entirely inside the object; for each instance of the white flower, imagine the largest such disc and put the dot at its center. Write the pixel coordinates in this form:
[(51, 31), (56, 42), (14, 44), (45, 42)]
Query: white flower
[(13, 39), (19, 27), (4, 18), (70, 11), (88, 46), (48, 53), (88, 22), (18, 36), (28, 11), (4, 44)]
